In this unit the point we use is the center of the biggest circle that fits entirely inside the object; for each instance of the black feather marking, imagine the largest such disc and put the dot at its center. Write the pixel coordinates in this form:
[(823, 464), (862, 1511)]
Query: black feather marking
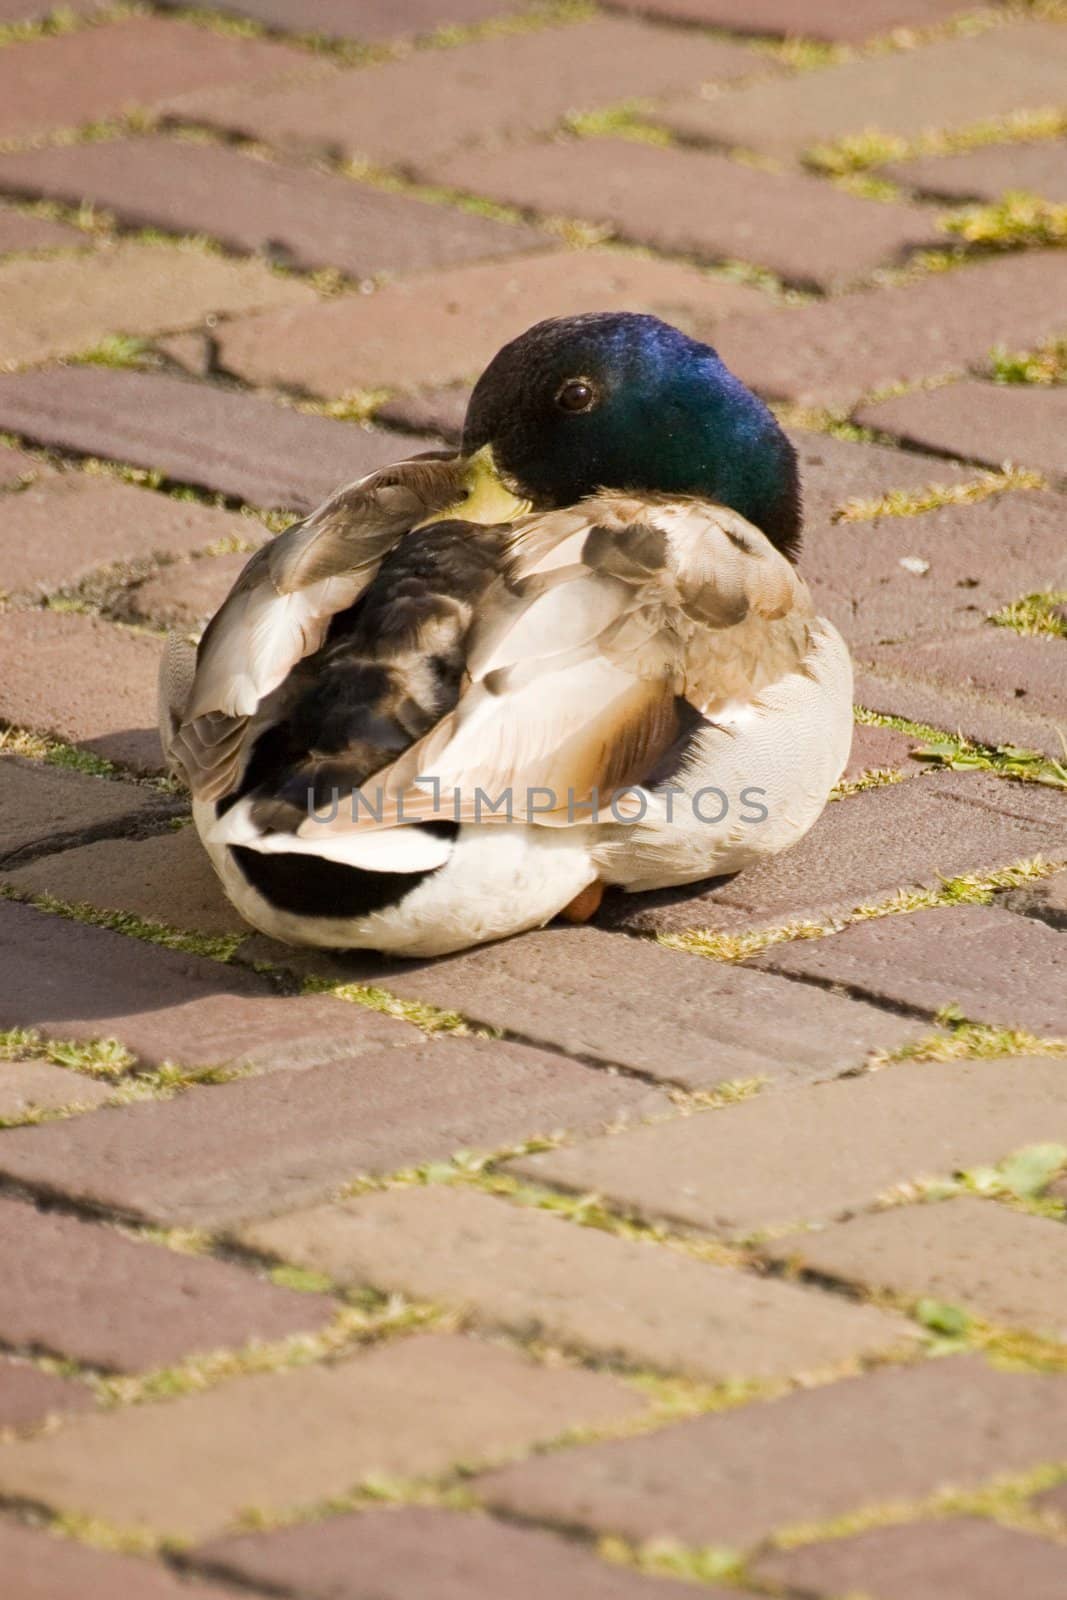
[(371, 690), (311, 887), (670, 763)]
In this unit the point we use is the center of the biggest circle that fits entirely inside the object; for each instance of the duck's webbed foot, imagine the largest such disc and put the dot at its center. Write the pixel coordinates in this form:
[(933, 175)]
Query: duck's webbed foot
[(584, 905)]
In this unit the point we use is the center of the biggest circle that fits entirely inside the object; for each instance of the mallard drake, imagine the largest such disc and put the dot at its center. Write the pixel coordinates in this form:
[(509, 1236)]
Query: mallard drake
[(472, 689)]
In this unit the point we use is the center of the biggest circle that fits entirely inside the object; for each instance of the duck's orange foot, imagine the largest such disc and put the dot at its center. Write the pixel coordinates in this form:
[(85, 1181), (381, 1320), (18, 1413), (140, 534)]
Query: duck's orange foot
[(584, 905)]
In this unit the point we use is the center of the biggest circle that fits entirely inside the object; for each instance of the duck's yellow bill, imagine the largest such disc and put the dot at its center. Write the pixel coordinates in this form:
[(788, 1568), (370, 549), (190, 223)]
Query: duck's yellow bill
[(486, 498)]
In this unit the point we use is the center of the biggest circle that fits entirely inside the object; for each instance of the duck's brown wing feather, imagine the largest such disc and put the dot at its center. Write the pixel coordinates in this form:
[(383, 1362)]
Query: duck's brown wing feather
[(608, 617), (279, 611)]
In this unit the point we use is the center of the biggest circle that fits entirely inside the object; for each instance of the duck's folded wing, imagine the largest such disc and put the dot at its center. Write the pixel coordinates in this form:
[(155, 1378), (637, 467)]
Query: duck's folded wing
[(607, 620), (279, 611)]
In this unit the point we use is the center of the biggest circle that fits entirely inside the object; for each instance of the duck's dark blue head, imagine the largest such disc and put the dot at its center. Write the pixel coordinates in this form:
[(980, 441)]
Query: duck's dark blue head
[(616, 400)]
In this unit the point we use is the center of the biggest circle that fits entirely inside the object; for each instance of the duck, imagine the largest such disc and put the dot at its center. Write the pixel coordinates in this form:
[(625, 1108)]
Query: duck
[(475, 689)]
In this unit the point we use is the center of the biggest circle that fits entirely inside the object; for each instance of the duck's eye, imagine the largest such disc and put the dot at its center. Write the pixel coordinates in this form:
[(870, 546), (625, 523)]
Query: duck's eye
[(577, 394)]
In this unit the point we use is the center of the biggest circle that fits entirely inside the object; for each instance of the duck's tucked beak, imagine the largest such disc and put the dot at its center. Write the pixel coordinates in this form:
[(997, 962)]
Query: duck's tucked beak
[(486, 497)]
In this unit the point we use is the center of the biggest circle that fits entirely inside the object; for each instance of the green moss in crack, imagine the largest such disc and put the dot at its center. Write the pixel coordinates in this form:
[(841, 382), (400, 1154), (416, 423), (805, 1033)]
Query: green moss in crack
[(1045, 365), (1044, 613), (1016, 220)]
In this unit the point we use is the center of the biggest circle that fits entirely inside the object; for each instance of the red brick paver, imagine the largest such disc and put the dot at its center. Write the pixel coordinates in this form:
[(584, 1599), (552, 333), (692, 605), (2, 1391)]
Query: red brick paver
[(832, 353), (77, 982), (257, 1146), (68, 304), (815, 19), (58, 531), (48, 807), (411, 109), (29, 1087), (43, 1566), (236, 444), (987, 422), (953, 1560), (518, 1266), (191, 1466), (986, 174), (299, 218), (729, 1480), (948, 84), (811, 1155), (423, 1554), (992, 684), (375, 19), (121, 1305), (28, 1397), (441, 329), (89, 75), (802, 229), (998, 969), (635, 1005), (998, 1262)]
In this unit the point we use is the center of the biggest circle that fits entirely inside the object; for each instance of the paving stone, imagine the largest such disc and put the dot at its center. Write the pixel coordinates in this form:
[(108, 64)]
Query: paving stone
[(832, 353), (939, 573), (948, 84), (33, 10), (84, 680), (124, 1306), (20, 230), (29, 1396), (896, 1434), (875, 749), (1046, 900), (439, 411), (864, 849), (29, 1086), (444, 329), (805, 230), (292, 1438), (374, 20), (958, 1559), (987, 422), (519, 1267), (16, 467), (46, 805), (96, 73), (958, 710), (236, 444), (996, 686), (988, 172), (1000, 1263), (1054, 1500), (72, 981), (42, 1566), (813, 1154), (191, 353), (166, 878), (255, 1146), (997, 968), (296, 216), (835, 471), (67, 304), (186, 594), (599, 995), (811, 19), (401, 112), (56, 532), (420, 1553)]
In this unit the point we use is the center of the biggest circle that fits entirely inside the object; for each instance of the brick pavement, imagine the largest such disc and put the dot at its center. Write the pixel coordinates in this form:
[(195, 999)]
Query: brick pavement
[(718, 1241)]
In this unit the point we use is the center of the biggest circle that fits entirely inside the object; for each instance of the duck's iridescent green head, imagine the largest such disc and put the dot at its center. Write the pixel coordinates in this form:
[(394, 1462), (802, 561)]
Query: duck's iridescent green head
[(616, 400)]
